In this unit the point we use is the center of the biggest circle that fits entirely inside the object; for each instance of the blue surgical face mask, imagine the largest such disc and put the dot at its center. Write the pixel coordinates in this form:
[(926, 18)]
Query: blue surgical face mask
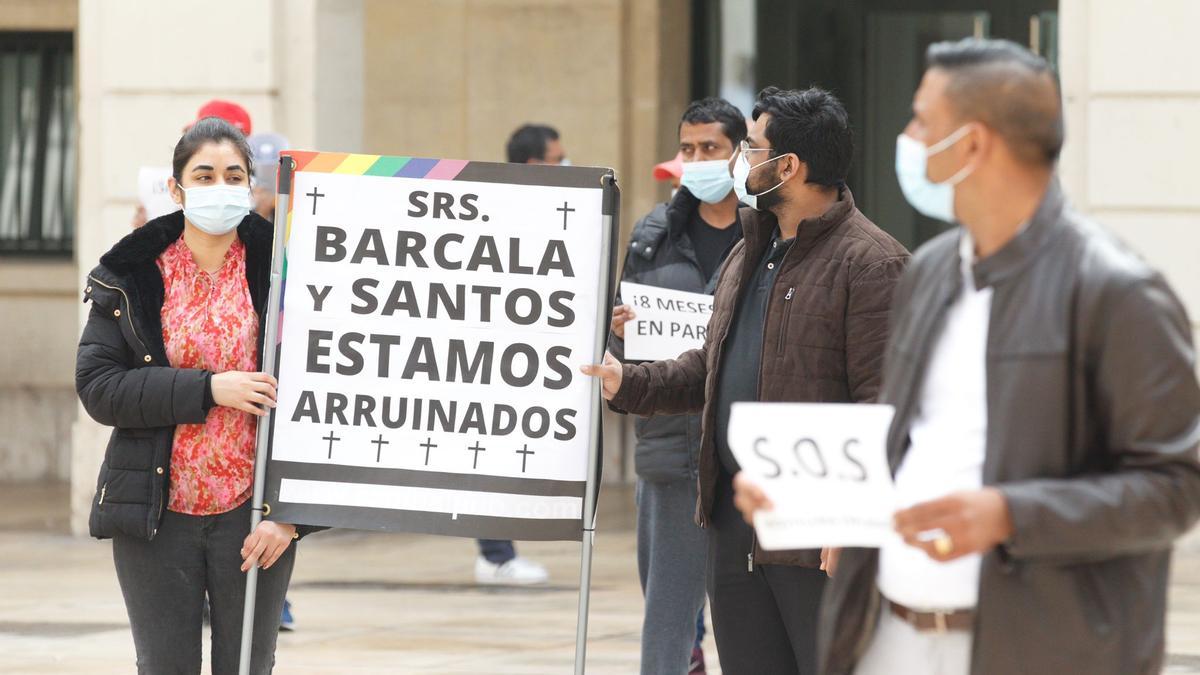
[(708, 181), (216, 209), (935, 200)]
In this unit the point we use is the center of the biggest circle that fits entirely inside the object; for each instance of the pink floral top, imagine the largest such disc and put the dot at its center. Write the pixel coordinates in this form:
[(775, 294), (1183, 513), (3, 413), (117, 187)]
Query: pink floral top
[(209, 323)]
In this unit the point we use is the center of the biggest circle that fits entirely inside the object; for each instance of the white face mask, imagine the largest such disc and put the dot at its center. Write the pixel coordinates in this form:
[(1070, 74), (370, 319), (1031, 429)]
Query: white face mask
[(216, 209), (709, 181), (935, 200), (741, 173)]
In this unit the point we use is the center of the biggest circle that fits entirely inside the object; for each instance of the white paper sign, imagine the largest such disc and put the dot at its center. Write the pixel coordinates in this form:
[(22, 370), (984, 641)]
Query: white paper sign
[(153, 193), (823, 466), (431, 336), (668, 322)]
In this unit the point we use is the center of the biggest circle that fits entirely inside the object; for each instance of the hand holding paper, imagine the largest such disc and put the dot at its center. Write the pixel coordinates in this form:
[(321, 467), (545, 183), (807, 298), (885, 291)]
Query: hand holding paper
[(821, 467), (749, 497), (663, 323), (621, 315), (974, 521)]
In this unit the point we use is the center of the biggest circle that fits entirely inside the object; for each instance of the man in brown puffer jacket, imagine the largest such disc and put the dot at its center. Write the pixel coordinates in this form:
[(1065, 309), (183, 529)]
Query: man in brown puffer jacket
[(800, 314)]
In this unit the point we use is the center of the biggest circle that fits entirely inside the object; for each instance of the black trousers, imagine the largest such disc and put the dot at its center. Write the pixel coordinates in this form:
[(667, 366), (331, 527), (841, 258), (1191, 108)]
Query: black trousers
[(165, 580), (765, 618)]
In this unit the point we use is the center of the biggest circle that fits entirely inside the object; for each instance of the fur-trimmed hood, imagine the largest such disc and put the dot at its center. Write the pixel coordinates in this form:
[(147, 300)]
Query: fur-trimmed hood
[(146, 243), (130, 268)]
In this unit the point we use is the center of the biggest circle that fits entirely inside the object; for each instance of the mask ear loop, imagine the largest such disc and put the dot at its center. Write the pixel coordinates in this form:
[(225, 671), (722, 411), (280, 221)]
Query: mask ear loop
[(945, 143), (778, 185), (182, 192), (959, 177), (948, 141)]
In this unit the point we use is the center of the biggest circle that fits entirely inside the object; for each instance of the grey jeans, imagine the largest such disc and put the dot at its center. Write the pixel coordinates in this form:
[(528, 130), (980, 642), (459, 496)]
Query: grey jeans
[(672, 562), (165, 581)]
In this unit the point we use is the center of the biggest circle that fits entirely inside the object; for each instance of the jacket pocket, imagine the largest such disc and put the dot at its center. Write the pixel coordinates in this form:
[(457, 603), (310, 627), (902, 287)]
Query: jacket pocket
[(662, 451), (131, 449), (96, 519), (127, 486), (1096, 606)]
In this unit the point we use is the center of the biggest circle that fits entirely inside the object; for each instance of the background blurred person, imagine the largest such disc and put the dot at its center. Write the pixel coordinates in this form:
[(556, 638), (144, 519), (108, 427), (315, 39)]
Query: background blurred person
[(498, 562)]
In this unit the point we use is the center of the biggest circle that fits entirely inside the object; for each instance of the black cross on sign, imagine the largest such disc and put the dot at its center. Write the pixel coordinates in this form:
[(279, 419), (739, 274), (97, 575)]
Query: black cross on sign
[(331, 438), (476, 449), (379, 443), (428, 444), (564, 208), (525, 452), (314, 194)]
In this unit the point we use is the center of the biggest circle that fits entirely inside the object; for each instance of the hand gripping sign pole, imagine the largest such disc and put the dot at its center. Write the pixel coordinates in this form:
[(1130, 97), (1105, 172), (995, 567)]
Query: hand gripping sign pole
[(286, 166), (607, 273)]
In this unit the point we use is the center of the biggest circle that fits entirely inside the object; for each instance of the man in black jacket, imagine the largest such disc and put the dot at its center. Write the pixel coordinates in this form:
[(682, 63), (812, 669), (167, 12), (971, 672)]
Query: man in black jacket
[(679, 245)]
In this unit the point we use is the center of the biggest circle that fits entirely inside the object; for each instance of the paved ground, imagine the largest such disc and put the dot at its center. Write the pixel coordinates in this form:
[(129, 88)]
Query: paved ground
[(379, 603), (366, 603)]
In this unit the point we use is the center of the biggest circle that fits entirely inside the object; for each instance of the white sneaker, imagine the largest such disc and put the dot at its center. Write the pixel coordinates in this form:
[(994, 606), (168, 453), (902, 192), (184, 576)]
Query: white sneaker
[(515, 572)]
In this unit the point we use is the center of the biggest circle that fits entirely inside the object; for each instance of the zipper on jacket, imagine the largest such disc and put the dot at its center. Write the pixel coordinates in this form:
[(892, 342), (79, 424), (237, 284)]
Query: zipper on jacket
[(787, 306), (766, 314), (103, 489), (128, 310), (750, 555)]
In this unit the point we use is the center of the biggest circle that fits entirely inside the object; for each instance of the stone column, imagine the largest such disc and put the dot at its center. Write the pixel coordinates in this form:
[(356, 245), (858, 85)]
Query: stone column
[(1132, 100)]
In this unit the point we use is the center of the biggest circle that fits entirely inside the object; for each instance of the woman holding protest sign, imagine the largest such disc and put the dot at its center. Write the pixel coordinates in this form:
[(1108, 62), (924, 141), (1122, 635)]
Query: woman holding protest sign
[(170, 357)]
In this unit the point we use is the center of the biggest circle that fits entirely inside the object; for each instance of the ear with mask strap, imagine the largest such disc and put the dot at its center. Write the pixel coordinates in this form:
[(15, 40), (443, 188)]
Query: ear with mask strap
[(741, 174)]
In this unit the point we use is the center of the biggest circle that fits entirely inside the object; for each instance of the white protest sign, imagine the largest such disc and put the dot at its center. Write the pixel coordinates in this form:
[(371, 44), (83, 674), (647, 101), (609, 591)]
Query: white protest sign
[(153, 193), (432, 330), (668, 322), (823, 466)]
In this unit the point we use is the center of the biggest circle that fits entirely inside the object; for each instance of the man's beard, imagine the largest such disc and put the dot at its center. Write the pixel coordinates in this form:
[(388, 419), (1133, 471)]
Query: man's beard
[(770, 200)]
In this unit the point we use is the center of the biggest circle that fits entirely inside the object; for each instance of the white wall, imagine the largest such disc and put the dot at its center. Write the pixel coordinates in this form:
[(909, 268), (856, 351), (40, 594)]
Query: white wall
[(1132, 86)]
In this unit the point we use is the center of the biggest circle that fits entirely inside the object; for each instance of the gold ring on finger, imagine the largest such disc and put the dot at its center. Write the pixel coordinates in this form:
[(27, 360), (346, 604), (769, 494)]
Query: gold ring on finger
[(944, 545)]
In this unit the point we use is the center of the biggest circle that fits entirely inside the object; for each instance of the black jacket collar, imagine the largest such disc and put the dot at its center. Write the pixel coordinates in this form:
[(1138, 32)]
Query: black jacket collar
[(143, 245), (679, 211)]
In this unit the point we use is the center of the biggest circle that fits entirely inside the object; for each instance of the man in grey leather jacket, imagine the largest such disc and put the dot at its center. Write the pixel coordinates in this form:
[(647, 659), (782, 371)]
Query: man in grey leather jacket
[(1045, 438)]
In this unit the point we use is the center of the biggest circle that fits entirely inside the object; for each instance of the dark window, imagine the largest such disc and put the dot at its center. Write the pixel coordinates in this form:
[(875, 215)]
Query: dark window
[(37, 143)]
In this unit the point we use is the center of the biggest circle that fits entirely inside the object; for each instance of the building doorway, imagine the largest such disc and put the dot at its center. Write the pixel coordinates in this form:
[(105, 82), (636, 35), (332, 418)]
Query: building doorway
[(870, 53)]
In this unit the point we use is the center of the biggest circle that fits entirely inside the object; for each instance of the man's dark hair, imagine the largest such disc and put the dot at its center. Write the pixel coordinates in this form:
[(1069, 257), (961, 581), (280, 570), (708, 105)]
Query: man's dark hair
[(813, 124), (529, 142), (713, 109), (1007, 87), (205, 131)]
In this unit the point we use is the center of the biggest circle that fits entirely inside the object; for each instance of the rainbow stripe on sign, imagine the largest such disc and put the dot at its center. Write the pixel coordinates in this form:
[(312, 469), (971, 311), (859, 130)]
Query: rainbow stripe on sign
[(377, 165)]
